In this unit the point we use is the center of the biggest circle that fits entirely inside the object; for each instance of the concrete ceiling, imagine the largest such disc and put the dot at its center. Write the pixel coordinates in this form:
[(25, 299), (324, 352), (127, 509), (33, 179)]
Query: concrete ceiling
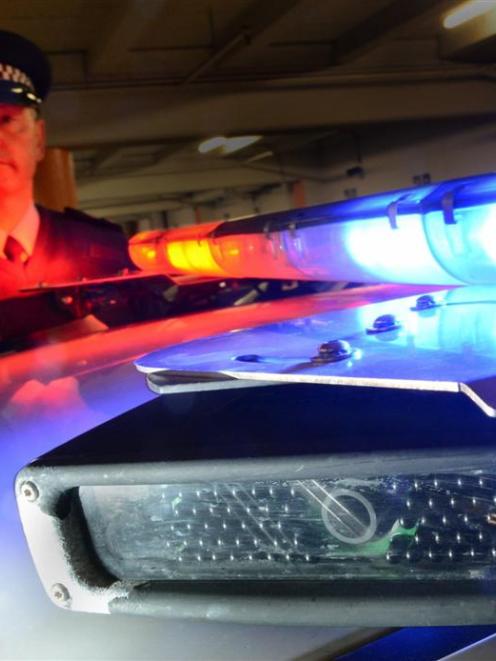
[(138, 83)]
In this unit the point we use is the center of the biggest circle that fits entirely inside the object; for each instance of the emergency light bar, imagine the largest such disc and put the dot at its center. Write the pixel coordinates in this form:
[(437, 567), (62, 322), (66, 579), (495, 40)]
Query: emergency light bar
[(268, 505), (435, 234)]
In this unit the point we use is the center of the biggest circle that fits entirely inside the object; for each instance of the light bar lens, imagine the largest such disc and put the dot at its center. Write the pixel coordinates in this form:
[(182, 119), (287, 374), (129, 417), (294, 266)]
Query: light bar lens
[(409, 526), (438, 234), (145, 250), (185, 251), (192, 256)]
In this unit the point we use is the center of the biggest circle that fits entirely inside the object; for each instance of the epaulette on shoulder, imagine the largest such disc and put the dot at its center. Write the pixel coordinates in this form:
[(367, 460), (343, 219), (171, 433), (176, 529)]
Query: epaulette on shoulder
[(81, 216)]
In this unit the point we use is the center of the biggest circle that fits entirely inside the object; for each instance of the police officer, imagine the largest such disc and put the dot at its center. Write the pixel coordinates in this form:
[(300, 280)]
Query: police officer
[(38, 245)]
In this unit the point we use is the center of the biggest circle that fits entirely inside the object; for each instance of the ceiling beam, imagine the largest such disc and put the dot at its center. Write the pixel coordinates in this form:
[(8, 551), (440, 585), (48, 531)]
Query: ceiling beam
[(289, 172), (127, 208), (103, 158), (167, 151), (247, 27), (94, 118), (150, 204), (107, 154), (101, 191), (371, 32), (287, 143), (120, 32)]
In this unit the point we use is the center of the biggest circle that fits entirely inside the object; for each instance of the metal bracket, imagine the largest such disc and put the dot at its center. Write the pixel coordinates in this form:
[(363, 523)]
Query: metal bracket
[(169, 382), (392, 211), (447, 206), (449, 352), (267, 231)]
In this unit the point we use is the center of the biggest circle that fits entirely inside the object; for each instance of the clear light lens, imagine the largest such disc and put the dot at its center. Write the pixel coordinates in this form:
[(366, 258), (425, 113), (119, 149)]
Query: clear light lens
[(254, 254), (367, 251), (468, 247), (400, 527)]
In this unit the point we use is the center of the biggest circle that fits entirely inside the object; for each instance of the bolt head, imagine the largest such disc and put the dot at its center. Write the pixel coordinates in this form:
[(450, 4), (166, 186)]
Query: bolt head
[(383, 323), (30, 491), (59, 593), (425, 302), (249, 358), (333, 351)]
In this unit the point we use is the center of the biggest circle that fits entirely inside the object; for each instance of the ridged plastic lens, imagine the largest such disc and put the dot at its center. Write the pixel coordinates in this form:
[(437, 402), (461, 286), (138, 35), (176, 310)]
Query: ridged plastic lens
[(433, 526), (434, 234)]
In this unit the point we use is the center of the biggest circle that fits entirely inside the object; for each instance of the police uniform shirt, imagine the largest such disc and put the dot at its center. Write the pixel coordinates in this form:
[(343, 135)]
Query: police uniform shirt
[(12, 276), (25, 233), (66, 246)]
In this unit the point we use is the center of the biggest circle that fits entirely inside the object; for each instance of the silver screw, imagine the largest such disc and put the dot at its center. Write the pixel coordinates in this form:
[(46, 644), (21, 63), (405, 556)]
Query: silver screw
[(425, 302), (383, 324), (30, 491), (333, 352), (59, 593)]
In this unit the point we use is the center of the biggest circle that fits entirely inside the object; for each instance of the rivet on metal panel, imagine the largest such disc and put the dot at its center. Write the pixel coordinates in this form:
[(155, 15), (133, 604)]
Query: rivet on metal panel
[(60, 593), (425, 302), (384, 323), (447, 204), (250, 358), (30, 491), (333, 351), (392, 212)]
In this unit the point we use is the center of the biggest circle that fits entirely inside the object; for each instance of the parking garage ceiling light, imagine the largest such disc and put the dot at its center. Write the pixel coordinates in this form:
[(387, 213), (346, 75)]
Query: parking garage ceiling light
[(227, 145), (466, 12)]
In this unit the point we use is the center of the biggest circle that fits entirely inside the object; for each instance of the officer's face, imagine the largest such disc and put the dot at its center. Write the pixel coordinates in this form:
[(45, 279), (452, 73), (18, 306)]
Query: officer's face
[(22, 145)]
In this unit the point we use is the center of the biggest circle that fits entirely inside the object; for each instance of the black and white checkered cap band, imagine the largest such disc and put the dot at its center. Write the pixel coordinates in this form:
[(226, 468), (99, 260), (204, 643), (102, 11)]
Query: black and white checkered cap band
[(8, 72)]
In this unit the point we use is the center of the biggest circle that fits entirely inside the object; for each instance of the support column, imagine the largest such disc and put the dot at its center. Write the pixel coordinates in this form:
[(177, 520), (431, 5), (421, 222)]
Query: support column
[(55, 183), (298, 197)]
